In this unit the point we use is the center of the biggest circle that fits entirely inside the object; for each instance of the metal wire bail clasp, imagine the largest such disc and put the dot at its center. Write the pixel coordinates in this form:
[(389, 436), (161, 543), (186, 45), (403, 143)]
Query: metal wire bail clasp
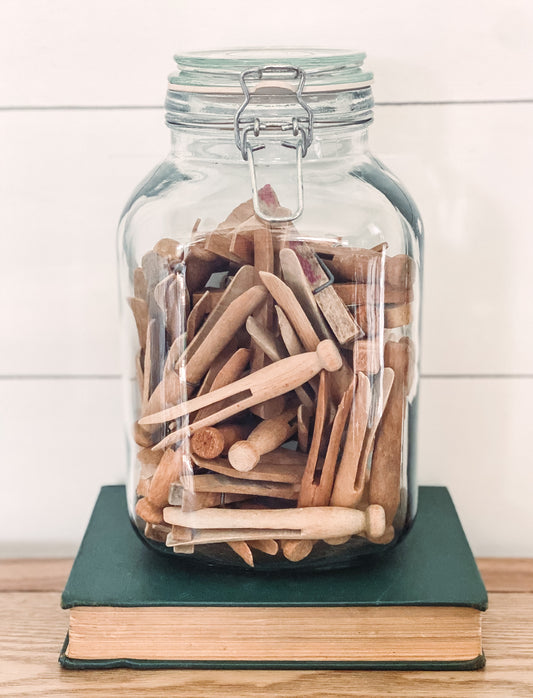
[(300, 127)]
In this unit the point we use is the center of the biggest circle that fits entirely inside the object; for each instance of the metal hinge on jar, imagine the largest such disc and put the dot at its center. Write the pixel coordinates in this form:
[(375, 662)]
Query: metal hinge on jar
[(299, 127)]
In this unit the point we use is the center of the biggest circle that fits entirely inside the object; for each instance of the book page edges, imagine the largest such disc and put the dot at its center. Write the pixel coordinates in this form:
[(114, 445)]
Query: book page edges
[(276, 634)]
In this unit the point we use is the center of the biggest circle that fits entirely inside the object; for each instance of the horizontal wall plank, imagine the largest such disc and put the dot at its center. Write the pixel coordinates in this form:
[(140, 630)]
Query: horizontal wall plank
[(61, 441), (119, 53), (66, 175), (65, 179), (474, 438), (470, 169)]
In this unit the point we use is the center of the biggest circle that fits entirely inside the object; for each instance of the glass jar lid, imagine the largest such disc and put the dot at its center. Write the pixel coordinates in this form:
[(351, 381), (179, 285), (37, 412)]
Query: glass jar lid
[(209, 87), (220, 71)]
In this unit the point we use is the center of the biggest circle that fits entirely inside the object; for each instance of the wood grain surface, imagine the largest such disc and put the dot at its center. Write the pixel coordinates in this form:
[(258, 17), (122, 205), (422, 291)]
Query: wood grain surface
[(33, 626)]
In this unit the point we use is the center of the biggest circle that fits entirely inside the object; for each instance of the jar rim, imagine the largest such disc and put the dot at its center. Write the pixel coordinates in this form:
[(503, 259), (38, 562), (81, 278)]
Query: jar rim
[(219, 71)]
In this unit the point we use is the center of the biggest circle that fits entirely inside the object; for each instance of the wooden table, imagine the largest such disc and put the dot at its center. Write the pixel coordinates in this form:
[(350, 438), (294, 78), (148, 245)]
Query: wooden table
[(32, 629)]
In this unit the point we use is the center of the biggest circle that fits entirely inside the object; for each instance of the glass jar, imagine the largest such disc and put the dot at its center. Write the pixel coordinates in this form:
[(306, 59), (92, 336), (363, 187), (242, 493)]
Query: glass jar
[(270, 271)]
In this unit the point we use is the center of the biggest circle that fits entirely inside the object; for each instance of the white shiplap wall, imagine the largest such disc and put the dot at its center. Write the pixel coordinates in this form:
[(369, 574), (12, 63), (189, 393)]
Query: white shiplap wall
[(80, 125)]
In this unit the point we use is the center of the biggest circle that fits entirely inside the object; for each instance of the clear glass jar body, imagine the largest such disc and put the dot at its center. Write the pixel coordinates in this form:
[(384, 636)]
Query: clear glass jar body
[(309, 329)]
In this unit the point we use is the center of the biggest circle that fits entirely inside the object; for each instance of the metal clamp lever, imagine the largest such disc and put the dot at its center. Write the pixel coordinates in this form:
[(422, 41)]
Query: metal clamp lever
[(301, 127), (255, 192)]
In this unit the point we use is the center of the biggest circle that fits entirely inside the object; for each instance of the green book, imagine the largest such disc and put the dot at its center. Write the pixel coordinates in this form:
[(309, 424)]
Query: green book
[(417, 606)]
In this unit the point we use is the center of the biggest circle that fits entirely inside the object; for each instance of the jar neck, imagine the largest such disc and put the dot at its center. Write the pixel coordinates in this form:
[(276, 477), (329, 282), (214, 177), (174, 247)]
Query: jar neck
[(214, 144)]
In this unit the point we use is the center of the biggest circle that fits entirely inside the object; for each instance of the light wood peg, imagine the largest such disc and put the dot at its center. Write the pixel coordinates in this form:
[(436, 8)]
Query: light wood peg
[(268, 343), (343, 493), (280, 465), (339, 319), (210, 442), (304, 415), (372, 294), (316, 489), (312, 523), (199, 265), (139, 308), (271, 433), (169, 469), (139, 284), (385, 472), (230, 371), (230, 321), (296, 550), (150, 513), (243, 551), (190, 501), (276, 379), (157, 532), (241, 282), (269, 547), (296, 280), (232, 485), (288, 302)]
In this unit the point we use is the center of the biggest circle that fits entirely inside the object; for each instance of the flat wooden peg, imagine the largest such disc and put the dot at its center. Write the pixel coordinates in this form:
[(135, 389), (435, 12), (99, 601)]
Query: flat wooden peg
[(337, 315), (143, 487), (221, 334), (157, 532), (169, 469), (150, 513), (148, 457), (372, 294), (232, 238), (139, 308), (368, 444), (283, 466), (269, 547), (289, 336), (197, 315), (213, 482), (139, 284), (243, 551), (296, 280), (386, 467), (321, 412), (287, 301), (369, 266), (241, 282), (343, 493), (304, 419), (218, 362), (372, 321), (266, 340), (230, 371), (316, 490), (296, 550), (366, 356), (169, 248), (191, 501)]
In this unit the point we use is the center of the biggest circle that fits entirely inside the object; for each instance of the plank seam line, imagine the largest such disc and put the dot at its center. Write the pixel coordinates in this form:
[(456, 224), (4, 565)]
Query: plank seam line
[(125, 107), (116, 376)]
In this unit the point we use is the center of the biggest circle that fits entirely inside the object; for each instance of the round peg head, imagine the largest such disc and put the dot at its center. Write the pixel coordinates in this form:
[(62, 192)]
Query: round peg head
[(329, 355), (243, 456), (207, 442), (375, 521)]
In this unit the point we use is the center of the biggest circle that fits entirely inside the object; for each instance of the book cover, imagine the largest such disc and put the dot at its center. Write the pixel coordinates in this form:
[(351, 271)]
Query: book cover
[(433, 566)]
